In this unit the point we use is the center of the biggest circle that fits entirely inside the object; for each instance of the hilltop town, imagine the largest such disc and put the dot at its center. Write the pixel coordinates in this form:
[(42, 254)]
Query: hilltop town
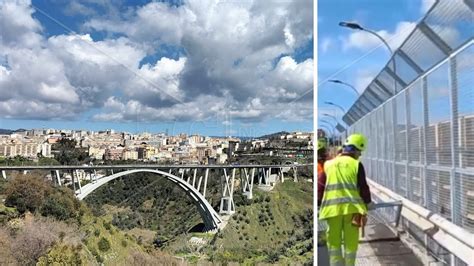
[(110, 145)]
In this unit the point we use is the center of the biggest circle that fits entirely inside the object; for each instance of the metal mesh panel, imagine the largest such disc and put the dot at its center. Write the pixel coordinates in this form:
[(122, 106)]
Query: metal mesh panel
[(465, 82), (422, 172), (414, 185), (453, 21), (383, 94), (404, 70), (417, 48), (438, 139), (401, 145), (439, 192), (389, 127), (401, 179), (465, 200), (448, 26), (379, 116), (416, 131), (421, 142), (370, 131), (387, 81)]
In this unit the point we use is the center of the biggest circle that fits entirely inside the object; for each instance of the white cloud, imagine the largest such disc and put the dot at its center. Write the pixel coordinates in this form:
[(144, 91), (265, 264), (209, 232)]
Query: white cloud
[(154, 23), (155, 83), (18, 28), (128, 111), (227, 67), (364, 41), (75, 7), (293, 76), (326, 43)]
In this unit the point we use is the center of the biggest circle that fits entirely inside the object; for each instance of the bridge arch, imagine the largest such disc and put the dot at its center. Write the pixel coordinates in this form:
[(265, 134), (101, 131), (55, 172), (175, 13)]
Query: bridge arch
[(211, 219)]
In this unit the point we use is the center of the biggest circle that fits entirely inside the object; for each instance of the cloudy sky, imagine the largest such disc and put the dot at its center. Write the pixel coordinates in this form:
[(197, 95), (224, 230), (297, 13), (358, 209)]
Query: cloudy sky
[(209, 67), (357, 57)]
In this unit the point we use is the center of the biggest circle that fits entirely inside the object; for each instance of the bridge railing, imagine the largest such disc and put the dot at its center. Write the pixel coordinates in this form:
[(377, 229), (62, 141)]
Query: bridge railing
[(421, 143), (421, 139)]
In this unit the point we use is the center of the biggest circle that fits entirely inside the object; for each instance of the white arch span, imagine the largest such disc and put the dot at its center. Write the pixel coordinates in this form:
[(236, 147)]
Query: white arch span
[(211, 219)]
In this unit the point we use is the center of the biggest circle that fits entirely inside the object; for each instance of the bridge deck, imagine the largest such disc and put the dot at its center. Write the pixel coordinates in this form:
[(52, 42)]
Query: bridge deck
[(145, 166)]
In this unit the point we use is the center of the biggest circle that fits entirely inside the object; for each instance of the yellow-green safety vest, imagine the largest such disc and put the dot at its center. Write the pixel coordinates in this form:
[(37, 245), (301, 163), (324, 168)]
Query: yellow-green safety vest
[(341, 193)]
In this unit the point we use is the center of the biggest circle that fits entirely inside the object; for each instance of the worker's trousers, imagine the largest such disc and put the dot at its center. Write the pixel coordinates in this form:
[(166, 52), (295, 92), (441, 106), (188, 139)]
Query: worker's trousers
[(340, 232)]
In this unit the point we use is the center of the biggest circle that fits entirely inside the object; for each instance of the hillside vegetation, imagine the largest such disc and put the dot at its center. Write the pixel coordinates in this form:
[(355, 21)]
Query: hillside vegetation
[(44, 225), (144, 219), (274, 228)]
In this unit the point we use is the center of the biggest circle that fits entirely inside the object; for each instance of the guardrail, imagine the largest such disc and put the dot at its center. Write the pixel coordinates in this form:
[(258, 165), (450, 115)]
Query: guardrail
[(143, 166), (458, 241)]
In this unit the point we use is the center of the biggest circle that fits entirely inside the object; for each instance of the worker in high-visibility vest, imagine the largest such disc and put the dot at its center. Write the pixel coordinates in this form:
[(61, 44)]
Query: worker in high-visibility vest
[(343, 196), (322, 155)]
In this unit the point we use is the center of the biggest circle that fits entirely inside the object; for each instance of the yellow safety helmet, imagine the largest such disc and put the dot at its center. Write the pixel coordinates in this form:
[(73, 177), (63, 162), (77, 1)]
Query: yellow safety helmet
[(321, 144), (357, 140)]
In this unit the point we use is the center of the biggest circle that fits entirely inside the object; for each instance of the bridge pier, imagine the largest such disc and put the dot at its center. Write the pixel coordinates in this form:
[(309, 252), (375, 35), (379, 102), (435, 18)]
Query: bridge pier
[(72, 180), (247, 184), (267, 176), (58, 177), (205, 182), (78, 181), (227, 201), (4, 174), (194, 177)]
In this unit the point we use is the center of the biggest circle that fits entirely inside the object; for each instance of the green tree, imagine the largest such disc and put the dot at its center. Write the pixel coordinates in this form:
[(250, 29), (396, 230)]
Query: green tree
[(66, 152), (26, 193), (103, 244), (61, 204)]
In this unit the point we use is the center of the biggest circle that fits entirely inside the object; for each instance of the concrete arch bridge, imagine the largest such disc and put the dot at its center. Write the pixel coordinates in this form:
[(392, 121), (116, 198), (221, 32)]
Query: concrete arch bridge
[(193, 179)]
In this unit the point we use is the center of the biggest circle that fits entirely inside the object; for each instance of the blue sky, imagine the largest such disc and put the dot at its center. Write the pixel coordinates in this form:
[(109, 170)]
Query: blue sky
[(349, 55), (182, 66)]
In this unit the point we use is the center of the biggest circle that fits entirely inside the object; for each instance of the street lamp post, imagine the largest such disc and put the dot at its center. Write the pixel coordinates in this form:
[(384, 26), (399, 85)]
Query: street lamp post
[(338, 106), (333, 127), (355, 26), (333, 117), (344, 83), (329, 130), (337, 123)]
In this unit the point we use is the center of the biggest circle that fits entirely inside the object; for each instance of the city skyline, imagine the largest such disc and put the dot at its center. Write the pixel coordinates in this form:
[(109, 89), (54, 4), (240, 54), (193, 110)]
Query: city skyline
[(9, 131)]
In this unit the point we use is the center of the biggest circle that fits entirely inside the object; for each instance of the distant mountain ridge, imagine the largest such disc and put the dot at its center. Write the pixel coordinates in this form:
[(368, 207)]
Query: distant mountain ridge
[(274, 135), (9, 131)]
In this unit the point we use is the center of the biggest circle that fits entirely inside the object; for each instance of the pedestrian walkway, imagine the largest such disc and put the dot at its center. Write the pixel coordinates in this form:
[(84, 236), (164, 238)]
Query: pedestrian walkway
[(380, 244), (380, 247)]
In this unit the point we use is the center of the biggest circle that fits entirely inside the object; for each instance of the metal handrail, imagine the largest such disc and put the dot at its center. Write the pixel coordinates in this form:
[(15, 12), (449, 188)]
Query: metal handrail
[(373, 207)]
